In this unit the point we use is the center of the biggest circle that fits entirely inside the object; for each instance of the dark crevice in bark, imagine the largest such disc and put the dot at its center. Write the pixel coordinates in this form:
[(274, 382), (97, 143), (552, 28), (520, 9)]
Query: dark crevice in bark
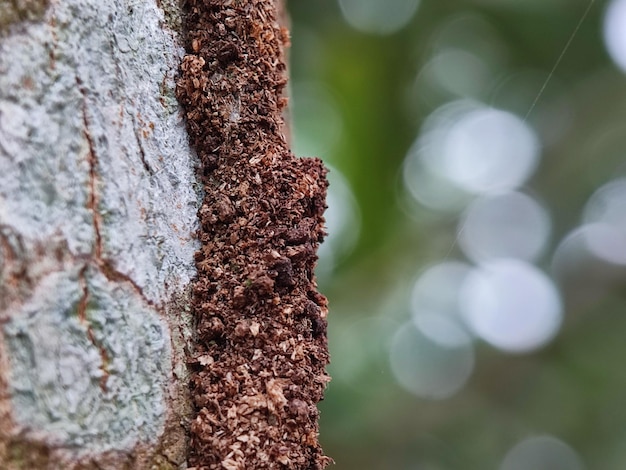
[(93, 204), (142, 152), (82, 307), (97, 259), (92, 198)]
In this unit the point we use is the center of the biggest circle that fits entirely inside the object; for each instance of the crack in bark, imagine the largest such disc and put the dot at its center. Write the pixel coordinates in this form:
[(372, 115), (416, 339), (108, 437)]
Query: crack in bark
[(114, 275), (142, 152), (92, 198), (103, 265), (55, 38), (83, 303), (11, 256), (93, 203)]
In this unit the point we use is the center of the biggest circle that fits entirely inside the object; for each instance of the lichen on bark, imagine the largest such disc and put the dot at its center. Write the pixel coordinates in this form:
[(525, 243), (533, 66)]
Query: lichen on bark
[(261, 348), (97, 223)]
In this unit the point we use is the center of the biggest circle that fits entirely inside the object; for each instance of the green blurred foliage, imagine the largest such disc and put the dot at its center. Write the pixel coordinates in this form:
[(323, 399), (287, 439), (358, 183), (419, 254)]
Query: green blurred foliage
[(573, 388)]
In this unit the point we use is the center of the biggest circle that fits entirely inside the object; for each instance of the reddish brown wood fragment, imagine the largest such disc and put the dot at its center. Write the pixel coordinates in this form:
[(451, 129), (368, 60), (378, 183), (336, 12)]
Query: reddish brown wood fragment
[(259, 362)]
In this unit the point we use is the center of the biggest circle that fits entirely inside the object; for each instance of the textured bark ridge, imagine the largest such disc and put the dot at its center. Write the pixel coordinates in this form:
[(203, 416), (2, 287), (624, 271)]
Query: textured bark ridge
[(259, 362)]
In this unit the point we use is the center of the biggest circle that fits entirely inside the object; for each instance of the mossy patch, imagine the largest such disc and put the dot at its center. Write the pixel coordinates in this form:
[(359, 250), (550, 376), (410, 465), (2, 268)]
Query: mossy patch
[(15, 11), (26, 455), (172, 11)]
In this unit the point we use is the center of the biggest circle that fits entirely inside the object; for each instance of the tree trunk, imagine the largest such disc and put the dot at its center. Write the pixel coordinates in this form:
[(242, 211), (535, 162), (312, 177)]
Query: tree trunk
[(99, 204)]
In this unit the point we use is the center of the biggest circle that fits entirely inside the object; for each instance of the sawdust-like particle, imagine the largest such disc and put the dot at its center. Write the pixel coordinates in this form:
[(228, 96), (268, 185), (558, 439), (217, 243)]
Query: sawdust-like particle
[(259, 362)]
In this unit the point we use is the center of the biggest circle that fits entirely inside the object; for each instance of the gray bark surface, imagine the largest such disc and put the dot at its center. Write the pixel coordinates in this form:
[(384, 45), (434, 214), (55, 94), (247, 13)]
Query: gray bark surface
[(97, 215)]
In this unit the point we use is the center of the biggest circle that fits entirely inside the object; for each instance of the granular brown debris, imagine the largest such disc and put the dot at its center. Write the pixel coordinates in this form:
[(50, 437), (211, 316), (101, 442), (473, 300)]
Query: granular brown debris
[(259, 363)]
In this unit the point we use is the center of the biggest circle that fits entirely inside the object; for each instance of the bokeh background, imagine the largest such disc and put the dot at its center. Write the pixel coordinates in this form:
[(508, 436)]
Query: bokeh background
[(476, 257)]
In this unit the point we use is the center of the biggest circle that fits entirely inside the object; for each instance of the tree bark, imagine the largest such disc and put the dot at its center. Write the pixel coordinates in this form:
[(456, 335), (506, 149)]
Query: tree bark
[(105, 270), (98, 203)]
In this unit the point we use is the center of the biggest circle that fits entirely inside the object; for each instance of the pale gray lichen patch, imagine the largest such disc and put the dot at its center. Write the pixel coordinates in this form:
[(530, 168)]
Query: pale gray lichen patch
[(92, 89), (57, 365), (95, 170)]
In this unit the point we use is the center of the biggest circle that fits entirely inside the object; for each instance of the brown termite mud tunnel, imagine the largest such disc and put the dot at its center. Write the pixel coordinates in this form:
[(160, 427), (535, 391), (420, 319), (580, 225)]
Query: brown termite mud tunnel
[(258, 364)]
